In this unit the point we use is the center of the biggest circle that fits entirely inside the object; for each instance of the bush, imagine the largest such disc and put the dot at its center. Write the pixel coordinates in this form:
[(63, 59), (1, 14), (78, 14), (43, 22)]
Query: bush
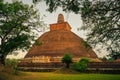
[(12, 62), (81, 65), (11, 66), (67, 59)]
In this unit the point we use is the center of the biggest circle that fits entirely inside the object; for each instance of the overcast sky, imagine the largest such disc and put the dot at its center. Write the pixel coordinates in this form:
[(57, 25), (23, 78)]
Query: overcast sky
[(73, 19)]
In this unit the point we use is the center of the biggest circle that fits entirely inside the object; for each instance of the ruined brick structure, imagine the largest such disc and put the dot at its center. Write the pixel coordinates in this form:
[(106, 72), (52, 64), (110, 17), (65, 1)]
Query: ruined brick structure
[(56, 42)]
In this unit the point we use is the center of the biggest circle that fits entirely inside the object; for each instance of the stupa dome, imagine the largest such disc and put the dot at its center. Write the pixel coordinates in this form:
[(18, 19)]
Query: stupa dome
[(57, 42)]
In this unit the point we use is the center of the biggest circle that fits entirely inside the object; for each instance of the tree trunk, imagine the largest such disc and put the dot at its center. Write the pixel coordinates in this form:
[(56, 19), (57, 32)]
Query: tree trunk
[(67, 65), (2, 59), (2, 56)]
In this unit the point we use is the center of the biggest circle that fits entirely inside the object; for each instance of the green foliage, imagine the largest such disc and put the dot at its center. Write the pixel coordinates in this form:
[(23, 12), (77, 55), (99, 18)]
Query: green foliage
[(11, 66), (81, 65), (102, 19), (12, 62), (103, 59), (67, 5), (38, 43), (84, 60), (67, 59), (110, 59), (114, 55), (18, 23), (1, 0)]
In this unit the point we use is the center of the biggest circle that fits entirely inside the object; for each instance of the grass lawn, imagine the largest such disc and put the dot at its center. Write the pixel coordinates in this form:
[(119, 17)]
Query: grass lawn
[(55, 76)]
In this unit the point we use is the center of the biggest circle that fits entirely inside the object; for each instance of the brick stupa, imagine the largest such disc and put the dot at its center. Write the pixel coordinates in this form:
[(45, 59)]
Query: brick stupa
[(55, 43)]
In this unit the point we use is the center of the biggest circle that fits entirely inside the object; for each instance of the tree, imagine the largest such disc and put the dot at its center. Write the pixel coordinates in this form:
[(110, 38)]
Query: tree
[(67, 5), (18, 23), (67, 59), (1, 0), (100, 17), (12, 62), (81, 65)]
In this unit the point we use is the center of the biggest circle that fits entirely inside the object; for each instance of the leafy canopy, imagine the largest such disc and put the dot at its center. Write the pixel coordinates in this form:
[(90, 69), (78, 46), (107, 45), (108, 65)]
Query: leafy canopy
[(18, 23), (102, 18), (81, 65), (67, 59)]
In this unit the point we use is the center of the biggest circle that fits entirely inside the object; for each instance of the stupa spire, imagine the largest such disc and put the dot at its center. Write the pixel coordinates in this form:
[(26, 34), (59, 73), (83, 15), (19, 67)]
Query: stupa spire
[(60, 18), (60, 25)]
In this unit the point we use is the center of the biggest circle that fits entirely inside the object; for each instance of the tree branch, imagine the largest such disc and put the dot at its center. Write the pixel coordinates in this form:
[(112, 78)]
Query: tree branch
[(9, 31)]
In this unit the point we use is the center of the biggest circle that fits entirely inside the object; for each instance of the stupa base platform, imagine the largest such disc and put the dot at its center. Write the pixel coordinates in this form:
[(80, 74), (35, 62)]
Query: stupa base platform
[(39, 67)]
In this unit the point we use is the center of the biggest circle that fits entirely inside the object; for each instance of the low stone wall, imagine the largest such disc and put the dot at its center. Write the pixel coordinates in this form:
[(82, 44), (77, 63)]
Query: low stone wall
[(104, 67), (37, 69), (41, 65), (103, 70), (93, 67)]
